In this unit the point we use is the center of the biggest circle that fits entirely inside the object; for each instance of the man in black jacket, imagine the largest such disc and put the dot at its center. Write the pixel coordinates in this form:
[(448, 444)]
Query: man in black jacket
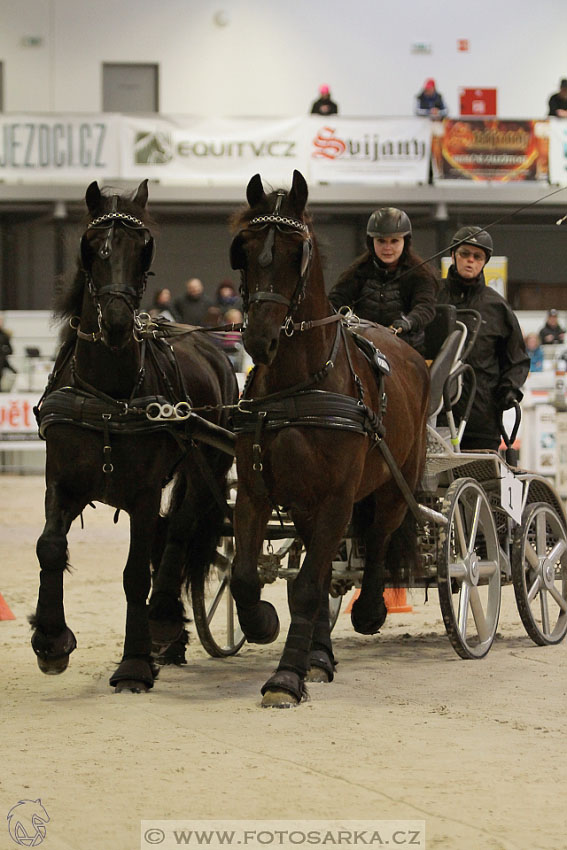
[(499, 356)]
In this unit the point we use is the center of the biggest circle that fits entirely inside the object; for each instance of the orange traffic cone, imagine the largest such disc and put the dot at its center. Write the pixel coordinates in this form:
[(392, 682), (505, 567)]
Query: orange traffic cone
[(5, 613), (396, 600), (394, 597)]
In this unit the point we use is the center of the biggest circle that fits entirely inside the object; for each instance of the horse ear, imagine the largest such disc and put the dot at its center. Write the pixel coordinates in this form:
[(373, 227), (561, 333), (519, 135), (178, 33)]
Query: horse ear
[(93, 197), (255, 191), (141, 196), (299, 192)]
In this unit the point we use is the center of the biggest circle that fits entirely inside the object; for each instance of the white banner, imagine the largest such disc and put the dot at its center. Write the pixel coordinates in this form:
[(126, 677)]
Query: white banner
[(180, 149), (37, 148), (558, 151), (383, 151), (17, 421)]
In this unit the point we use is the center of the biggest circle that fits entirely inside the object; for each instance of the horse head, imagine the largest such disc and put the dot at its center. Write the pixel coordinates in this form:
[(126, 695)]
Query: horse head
[(117, 250), (272, 249)]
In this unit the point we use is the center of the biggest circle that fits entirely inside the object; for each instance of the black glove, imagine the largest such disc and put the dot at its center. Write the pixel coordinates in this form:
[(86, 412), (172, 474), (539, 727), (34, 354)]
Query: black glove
[(507, 399), (402, 324)]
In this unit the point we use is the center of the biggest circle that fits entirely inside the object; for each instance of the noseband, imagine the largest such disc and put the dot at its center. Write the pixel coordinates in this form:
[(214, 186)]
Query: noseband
[(266, 257)]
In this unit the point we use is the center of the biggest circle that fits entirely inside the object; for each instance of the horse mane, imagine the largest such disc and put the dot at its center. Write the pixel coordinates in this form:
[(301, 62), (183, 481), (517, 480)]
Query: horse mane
[(69, 291)]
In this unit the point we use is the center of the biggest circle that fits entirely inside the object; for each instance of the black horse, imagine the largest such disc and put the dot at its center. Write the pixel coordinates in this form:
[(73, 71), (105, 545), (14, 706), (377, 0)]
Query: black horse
[(118, 417)]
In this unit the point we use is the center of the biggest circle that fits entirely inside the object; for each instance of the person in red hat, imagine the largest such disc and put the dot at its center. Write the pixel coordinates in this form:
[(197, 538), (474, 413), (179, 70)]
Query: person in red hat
[(324, 105), (429, 102)]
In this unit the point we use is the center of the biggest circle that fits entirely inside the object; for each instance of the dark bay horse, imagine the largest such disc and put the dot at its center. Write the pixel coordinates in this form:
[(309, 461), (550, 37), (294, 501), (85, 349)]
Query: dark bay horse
[(111, 373), (308, 436)]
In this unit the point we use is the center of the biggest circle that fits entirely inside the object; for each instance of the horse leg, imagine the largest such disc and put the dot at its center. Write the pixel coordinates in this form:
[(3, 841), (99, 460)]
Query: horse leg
[(52, 640), (369, 611), (309, 628), (321, 659), (258, 618), (166, 609), (136, 671)]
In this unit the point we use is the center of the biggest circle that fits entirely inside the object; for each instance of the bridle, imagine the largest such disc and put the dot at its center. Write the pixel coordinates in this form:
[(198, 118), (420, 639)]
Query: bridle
[(237, 260), (129, 294)]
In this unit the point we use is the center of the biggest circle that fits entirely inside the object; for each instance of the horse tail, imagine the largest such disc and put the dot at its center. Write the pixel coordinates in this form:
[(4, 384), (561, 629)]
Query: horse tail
[(402, 557)]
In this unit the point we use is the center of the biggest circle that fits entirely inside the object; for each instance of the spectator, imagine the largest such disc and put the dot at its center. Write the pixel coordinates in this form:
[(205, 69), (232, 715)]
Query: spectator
[(227, 296), (535, 352), (192, 306), (552, 332), (213, 317), (232, 339), (324, 105), (499, 356), (389, 284), (558, 101), (5, 350), (429, 102), (162, 306)]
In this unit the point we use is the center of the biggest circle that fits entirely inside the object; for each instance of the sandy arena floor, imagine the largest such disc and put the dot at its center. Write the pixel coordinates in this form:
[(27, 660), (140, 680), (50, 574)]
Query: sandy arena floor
[(406, 731)]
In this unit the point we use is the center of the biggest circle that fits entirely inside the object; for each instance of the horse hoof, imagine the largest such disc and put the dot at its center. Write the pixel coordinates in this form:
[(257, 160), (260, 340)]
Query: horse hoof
[(269, 624), (368, 622), (317, 674), (53, 666), (321, 666), (53, 653), (279, 699), (284, 689), (170, 649), (132, 686), (135, 675)]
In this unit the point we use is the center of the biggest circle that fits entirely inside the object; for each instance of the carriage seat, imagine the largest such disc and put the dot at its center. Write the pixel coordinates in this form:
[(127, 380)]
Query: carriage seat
[(443, 338)]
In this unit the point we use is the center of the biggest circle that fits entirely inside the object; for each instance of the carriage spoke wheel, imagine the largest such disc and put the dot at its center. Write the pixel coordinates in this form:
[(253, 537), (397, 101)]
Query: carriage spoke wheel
[(214, 610), (539, 573), (468, 573)]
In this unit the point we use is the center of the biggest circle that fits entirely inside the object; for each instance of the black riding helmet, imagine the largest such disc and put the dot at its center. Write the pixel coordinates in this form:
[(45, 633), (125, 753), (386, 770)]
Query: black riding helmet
[(473, 235), (387, 221)]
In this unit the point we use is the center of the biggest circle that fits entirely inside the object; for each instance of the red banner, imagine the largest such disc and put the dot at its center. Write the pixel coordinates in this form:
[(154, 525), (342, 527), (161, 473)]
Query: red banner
[(490, 150)]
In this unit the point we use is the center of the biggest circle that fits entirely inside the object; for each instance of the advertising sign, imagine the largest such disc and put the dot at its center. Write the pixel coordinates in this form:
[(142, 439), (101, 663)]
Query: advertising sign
[(558, 151), (490, 150), (477, 101), (17, 421), (36, 148), (388, 150), (208, 150)]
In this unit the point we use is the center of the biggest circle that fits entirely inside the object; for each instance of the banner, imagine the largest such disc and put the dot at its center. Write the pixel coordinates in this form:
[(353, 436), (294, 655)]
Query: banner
[(490, 150), (558, 151), (384, 151), (36, 148), (17, 421), (211, 150)]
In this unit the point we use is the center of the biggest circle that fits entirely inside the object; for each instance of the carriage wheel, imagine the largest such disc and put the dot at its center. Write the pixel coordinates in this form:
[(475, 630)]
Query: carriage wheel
[(539, 573), (468, 574), (214, 610)]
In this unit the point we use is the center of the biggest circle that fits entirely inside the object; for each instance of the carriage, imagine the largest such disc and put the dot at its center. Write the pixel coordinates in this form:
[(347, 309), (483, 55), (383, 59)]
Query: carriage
[(344, 477)]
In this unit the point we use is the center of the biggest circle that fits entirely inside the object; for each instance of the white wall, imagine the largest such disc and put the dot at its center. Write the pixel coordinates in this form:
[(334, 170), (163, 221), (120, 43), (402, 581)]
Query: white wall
[(271, 56)]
